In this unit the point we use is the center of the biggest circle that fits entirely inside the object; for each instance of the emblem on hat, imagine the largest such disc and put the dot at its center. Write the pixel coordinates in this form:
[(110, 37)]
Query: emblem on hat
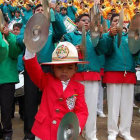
[(62, 51)]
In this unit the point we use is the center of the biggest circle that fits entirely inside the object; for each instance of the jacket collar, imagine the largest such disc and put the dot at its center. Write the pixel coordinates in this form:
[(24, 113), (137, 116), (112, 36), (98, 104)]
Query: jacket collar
[(80, 33), (70, 89)]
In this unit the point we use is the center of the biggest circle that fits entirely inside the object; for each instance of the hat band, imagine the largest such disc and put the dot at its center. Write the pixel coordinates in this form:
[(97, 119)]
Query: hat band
[(65, 59)]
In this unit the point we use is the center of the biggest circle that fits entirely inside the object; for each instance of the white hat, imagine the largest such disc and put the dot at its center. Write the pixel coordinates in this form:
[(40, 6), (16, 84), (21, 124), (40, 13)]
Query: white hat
[(64, 53)]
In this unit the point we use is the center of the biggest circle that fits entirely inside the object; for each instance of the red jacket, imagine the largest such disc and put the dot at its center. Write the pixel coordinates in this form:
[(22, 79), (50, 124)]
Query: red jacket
[(55, 102)]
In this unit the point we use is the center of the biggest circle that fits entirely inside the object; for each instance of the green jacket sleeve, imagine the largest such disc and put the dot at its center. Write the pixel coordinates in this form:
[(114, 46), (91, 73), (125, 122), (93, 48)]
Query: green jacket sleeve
[(58, 28), (11, 8), (4, 49), (105, 45), (74, 9), (67, 37), (14, 49)]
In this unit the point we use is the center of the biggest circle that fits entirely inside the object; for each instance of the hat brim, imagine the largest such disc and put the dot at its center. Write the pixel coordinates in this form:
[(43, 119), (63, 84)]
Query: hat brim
[(61, 63)]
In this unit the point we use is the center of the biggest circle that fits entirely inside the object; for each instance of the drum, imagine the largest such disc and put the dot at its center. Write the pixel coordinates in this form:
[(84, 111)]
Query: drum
[(19, 87)]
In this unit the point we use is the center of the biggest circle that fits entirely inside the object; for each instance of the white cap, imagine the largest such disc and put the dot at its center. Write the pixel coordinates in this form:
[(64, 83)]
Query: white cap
[(65, 53)]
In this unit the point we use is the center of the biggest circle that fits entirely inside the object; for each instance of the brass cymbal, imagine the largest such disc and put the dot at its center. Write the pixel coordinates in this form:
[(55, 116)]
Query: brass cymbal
[(121, 20), (105, 28), (83, 44), (134, 34), (46, 8), (1, 21), (68, 128), (36, 32), (95, 25)]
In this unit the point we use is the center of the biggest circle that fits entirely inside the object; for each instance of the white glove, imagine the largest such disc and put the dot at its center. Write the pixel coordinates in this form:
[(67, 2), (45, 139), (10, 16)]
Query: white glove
[(79, 129), (28, 55)]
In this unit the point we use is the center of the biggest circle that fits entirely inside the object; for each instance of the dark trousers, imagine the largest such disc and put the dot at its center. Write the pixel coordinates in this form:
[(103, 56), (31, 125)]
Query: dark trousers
[(20, 101), (6, 100), (32, 98)]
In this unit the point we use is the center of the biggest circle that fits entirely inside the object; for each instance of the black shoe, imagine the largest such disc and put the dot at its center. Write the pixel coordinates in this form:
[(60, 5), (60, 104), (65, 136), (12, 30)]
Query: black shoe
[(1, 135), (7, 138), (28, 139)]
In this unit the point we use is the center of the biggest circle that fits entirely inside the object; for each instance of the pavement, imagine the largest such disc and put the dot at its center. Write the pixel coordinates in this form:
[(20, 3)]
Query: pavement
[(101, 126)]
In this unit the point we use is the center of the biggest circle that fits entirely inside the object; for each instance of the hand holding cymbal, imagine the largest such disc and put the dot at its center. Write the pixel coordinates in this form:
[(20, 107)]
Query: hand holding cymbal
[(120, 25), (68, 128), (5, 31), (134, 34), (36, 32), (113, 31), (52, 5), (2, 21)]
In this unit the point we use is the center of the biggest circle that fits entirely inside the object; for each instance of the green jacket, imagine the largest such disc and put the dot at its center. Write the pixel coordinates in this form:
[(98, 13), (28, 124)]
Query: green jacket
[(71, 11), (117, 58), (4, 48), (8, 60), (91, 56)]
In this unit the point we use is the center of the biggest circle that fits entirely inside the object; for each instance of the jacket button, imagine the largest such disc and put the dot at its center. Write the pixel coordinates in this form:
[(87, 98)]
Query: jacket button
[(57, 110), (60, 99), (54, 122)]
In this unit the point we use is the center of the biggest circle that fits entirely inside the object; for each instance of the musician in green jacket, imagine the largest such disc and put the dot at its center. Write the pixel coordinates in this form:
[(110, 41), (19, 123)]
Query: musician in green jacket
[(9, 52), (120, 79)]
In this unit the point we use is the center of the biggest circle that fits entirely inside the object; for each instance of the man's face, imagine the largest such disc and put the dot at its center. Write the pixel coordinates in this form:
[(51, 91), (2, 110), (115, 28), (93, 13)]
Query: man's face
[(64, 72), (82, 5), (16, 30), (39, 10), (115, 21), (63, 12), (57, 8), (109, 16), (84, 21)]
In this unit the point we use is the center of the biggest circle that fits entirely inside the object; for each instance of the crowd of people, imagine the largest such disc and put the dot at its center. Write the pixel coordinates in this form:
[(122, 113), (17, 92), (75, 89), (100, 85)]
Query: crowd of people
[(51, 88)]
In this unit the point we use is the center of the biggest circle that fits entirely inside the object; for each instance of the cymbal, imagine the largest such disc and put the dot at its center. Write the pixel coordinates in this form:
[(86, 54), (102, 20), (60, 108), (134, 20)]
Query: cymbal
[(46, 8), (1, 20), (134, 34), (83, 44), (121, 20), (36, 32), (105, 28), (95, 25), (68, 128)]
